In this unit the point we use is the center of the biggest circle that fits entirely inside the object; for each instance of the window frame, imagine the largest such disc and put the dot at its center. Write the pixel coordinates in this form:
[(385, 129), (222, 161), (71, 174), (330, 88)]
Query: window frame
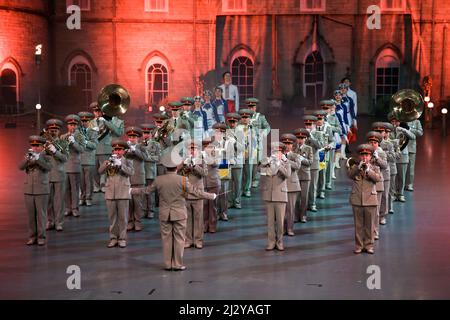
[(13, 68), (238, 54), (384, 8), (394, 57), (81, 60), (315, 83), (304, 7), (225, 6), (71, 2), (152, 61), (147, 7)]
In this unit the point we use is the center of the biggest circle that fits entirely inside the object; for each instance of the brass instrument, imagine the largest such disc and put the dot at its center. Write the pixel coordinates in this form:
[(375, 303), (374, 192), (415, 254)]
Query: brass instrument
[(351, 162), (61, 145), (163, 132), (407, 105), (113, 100), (112, 169)]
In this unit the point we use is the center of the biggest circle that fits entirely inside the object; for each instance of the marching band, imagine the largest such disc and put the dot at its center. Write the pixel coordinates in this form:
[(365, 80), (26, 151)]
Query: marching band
[(221, 150)]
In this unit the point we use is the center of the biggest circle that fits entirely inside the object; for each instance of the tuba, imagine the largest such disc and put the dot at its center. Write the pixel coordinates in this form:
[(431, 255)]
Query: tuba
[(407, 105), (113, 100)]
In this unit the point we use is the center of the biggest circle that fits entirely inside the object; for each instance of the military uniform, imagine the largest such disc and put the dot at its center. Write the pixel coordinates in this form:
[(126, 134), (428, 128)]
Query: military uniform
[(37, 166), (416, 128), (153, 149), (56, 176), (164, 142), (325, 135), (393, 156), (107, 130), (182, 124), (275, 171), (304, 173), (118, 171), (293, 183), (236, 161), (87, 160), (364, 201), (261, 128), (250, 151), (73, 166), (195, 169), (316, 143), (211, 183), (138, 155), (379, 158), (173, 190)]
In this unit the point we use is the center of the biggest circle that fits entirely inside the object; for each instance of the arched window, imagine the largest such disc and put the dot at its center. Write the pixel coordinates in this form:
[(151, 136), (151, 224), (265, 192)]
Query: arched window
[(9, 87), (80, 75), (387, 70), (313, 88), (156, 80), (242, 76)]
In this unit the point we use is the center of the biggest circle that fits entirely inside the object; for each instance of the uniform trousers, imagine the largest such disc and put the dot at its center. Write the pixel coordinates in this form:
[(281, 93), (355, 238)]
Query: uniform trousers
[(392, 191), (210, 211), (401, 178), (72, 191), (302, 200), (313, 187), (385, 199), (117, 214), (236, 186), (100, 179), (275, 222), (364, 226), (173, 240), (55, 209), (86, 185), (136, 210), (410, 170), (290, 211), (37, 215), (194, 225)]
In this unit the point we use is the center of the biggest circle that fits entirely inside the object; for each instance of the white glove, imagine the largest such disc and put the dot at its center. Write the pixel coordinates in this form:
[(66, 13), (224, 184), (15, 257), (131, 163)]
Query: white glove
[(101, 119), (52, 148), (36, 156), (375, 153), (71, 139), (215, 196), (117, 162), (133, 148), (283, 158), (96, 129), (197, 161), (131, 189), (302, 158)]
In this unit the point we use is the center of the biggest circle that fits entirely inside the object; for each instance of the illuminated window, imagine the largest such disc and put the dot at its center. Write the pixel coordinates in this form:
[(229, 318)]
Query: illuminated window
[(312, 5), (157, 5), (8, 87), (80, 75), (313, 88), (234, 5), (84, 5), (387, 73), (393, 5), (156, 81), (242, 76)]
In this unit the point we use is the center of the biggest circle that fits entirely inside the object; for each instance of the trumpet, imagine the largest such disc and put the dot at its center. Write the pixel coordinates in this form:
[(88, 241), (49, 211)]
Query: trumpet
[(112, 168), (61, 145), (363, 166), (350, 162), (29, 155)]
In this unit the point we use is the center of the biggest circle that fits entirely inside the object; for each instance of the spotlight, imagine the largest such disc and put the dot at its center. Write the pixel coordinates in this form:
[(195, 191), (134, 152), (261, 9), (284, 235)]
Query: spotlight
[(430, 105), (38, 106), (427, 99), (162, 108), (444, 110)]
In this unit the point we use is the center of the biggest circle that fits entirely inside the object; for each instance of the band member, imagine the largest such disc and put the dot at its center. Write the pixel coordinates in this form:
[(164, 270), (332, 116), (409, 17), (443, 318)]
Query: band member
[(402, 164), (393, 158), (138, 155), (107, 128), (333, 122), (293, 183), (316, 144), (261, 128), (153, 149), (225, 143), (195, 169), (172, 190), (220, 104), (250, 149), (179, 122), (379, 158), (87, 158), (325, 135), (416, 128), (304, 173), (72, 167), (37, 166), (58, 151), (275, 170), (118, 171), (212, 184), (185, 113), (230, 93), (363, 198), (161, 134), (236, 133)]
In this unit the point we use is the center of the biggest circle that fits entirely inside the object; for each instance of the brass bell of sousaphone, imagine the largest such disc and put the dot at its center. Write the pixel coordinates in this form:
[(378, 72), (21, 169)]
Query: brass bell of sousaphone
[(407, 105), (113, 100)]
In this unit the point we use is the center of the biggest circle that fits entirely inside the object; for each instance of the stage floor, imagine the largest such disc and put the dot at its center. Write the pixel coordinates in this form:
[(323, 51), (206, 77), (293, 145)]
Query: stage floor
[(412, 253)]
